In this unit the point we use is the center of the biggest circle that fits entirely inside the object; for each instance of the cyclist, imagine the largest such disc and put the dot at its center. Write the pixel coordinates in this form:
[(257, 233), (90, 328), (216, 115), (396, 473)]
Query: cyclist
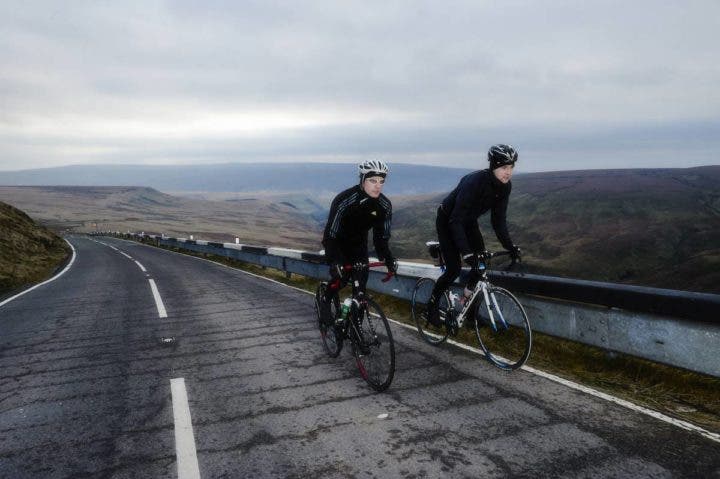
[(457, 227), (353, 213)]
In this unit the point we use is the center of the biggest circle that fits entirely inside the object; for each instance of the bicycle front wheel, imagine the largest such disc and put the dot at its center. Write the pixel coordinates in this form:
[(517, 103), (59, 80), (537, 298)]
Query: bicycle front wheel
[(373, 346), (326, 314), (420, 297), (506, 339)]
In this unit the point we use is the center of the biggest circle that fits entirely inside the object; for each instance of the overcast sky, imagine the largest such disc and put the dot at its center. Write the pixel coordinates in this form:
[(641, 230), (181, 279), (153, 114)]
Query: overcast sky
[(571, 84)]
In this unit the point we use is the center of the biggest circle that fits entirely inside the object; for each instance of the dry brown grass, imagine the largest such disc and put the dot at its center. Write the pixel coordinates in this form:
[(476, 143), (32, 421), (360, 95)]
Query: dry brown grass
[(29, 253), (88, 209)]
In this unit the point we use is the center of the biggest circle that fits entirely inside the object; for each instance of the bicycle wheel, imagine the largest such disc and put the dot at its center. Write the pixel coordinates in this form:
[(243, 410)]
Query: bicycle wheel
[(421, 294), (373, 346), (331, 337), (507, 343)]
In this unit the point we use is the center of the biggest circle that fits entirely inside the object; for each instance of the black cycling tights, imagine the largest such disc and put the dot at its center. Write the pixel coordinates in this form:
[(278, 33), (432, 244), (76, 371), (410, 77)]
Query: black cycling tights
[(451, 255)]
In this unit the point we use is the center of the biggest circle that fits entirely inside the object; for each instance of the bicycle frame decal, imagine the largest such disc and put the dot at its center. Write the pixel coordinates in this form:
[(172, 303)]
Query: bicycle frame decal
[(462, 316)]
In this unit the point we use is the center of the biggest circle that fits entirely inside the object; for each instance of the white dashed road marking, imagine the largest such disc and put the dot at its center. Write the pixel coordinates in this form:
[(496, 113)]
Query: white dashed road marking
[(158, 300), (579, 387), (187, 463)]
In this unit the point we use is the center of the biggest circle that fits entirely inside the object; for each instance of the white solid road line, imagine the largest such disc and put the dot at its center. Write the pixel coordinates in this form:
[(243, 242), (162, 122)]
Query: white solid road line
[(187, 463), (142, 268), (158, 300), (657, 415), (593, 392), (72, 260), (579, 387)]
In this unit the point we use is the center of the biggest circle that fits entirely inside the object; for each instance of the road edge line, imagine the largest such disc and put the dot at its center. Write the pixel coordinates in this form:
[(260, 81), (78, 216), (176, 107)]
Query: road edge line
[(557, 379), (67, 267)]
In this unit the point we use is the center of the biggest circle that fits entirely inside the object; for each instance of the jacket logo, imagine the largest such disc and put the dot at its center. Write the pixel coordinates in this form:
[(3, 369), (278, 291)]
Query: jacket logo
[(374, 213)]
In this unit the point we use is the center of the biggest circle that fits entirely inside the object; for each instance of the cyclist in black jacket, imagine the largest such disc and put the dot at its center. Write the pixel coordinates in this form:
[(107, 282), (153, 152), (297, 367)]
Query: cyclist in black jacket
[(352, 214), (457, 220)]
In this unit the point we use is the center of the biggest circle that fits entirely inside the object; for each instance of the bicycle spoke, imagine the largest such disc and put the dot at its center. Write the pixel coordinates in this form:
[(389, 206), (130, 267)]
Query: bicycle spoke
[(326, 313), (373, 347), (507, 342), (421, 294)]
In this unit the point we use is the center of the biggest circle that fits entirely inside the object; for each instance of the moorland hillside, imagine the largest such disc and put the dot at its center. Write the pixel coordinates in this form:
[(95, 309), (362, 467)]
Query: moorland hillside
[(651, 227), (29, 252)]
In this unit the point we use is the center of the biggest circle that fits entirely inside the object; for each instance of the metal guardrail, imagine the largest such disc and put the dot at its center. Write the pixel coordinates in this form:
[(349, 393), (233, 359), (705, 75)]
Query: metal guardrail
[(672, 327)]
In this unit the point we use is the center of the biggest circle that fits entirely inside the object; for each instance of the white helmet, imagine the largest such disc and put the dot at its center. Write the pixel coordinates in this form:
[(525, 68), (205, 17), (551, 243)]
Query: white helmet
[(372, 168)]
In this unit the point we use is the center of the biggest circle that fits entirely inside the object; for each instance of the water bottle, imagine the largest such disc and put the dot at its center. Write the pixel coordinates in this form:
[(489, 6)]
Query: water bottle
[(455, 300), (345, 309)]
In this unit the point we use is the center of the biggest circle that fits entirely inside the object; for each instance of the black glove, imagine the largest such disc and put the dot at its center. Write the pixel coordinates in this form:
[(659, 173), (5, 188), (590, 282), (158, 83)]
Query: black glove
[(336, 271), (471, 260), (391, 264), (516, 253)]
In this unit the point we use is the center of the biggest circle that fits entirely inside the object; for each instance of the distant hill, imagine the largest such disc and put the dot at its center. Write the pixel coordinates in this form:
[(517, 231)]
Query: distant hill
[(29, 253), (313, 178), (655, 227), (86, 209)]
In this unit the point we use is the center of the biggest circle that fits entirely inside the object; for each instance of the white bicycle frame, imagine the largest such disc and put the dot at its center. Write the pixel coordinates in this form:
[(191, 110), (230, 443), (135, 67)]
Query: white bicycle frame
[(490, 303)]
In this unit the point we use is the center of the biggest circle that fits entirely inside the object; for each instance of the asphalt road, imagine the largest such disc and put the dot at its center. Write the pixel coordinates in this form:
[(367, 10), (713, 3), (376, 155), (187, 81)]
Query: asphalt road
[(89, 389)]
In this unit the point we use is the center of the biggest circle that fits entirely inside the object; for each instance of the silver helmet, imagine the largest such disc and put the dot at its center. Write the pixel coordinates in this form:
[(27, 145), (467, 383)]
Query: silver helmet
[(372, 168)]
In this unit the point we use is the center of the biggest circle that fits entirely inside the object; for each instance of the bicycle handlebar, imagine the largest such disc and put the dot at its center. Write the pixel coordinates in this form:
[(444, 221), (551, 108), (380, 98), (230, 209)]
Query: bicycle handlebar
[(373, 264), (488, 255)]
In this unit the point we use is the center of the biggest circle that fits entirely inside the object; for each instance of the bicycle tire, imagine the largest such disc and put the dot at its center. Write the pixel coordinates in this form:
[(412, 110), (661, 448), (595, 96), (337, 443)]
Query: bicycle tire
[(421, 294), (373, 346), (508, 344), (332, 338)]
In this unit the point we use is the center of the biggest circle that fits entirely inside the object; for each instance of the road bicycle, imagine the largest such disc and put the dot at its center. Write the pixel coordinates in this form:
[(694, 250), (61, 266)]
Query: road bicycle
[(501, 324), (360, 320)]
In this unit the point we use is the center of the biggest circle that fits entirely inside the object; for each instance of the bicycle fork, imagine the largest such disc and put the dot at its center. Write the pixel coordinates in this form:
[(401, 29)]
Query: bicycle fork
[(493, 308)]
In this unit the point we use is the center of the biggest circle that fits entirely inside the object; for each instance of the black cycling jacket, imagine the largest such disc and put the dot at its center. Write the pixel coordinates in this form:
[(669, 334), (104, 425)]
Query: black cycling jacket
[(477, 193), (352, 214)]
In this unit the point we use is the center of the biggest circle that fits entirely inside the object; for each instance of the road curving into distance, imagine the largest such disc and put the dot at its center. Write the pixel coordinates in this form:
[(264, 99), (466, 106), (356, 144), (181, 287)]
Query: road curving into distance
[(139, 362)]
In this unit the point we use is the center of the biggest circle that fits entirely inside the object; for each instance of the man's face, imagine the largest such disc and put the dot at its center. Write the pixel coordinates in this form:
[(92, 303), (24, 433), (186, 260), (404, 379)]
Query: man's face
[(504, 173), (373, 186)]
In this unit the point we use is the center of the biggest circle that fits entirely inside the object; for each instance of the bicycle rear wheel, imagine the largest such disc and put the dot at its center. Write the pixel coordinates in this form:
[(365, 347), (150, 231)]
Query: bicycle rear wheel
[(420, 297), (507, 343), (326, 314), (373, 346)]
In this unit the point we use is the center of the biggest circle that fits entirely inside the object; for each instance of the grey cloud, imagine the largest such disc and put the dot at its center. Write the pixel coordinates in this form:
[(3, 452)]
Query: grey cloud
[(560, 75)]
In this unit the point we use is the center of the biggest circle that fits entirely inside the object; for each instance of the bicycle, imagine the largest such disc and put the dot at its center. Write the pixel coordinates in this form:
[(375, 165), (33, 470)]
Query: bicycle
[(501, 324), (361, 321)]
